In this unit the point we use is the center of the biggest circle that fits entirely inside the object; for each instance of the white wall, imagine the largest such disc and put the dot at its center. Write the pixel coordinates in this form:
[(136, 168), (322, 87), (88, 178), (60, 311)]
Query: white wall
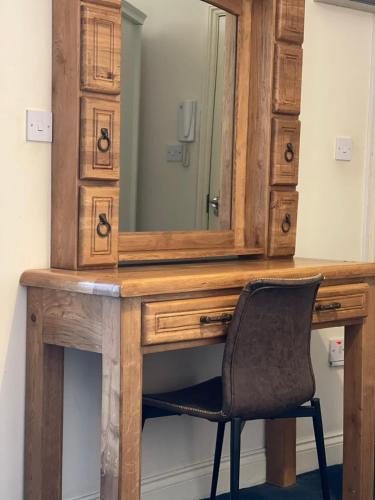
[(25, 62), (335, 98)]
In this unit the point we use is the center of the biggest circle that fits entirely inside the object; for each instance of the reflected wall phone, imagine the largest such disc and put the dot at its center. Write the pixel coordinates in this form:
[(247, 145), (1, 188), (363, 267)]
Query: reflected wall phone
[(187, 117)]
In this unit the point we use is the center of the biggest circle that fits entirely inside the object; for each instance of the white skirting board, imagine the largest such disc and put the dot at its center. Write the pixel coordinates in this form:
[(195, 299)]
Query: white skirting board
[(193, 482)]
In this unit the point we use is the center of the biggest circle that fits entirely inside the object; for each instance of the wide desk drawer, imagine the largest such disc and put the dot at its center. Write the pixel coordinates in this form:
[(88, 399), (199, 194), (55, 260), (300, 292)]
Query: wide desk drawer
[(189, 319)]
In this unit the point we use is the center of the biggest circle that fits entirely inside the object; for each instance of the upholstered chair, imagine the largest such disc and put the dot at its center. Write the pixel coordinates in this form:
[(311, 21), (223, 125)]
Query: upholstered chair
[(266, 372)]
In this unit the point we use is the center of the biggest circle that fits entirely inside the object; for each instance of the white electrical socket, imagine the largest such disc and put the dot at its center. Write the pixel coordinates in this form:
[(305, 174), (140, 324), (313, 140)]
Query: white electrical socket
[(344, 149), (174, 153), (336, 352)]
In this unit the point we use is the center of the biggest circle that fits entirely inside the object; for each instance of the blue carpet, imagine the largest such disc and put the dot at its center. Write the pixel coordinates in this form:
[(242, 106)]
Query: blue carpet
[(307, 488)]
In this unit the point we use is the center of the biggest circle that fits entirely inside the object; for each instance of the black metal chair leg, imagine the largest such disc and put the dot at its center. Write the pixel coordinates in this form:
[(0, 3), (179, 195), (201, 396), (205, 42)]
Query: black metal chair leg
[(319, 438), (218, 451), (235, 452)]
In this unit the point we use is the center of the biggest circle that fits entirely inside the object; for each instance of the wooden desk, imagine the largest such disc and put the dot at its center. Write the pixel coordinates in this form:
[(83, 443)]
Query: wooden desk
[(127, 313)]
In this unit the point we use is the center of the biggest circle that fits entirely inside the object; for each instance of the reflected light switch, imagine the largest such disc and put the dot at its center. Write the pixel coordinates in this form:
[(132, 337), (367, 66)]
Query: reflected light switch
[(39, 126)]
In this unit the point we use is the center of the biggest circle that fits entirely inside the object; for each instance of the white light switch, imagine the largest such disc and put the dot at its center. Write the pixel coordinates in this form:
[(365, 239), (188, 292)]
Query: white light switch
[(39, 126), (344, 149)]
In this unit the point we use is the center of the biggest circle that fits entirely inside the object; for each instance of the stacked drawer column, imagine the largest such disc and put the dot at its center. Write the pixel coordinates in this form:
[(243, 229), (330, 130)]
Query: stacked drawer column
[(86, 149), (100, 133), (285, 133)]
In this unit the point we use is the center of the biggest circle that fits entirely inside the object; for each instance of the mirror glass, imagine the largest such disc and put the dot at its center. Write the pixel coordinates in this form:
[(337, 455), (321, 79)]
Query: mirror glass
[(177, 115)]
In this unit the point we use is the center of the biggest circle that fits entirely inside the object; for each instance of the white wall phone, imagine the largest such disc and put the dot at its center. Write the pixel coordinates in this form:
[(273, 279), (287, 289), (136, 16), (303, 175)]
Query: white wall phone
[(187, 117)]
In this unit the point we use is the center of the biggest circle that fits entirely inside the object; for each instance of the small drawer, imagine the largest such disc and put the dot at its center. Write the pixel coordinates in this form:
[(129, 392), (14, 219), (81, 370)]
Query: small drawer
[(179, 320), (101, 47), (287, 79), (339, 303), (100, 139), (290, 21), (285, 151), (98, 226), (283, 223)]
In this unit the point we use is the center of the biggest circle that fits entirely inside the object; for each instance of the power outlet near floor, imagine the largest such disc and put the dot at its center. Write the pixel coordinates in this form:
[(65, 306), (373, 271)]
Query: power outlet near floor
[(336, 352)]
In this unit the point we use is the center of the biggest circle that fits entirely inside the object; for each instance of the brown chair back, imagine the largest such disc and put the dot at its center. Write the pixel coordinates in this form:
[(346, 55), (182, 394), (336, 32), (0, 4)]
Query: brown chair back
[(267, 365)]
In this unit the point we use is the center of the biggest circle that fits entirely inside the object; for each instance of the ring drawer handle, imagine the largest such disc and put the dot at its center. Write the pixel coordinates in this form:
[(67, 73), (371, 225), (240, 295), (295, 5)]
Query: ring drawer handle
[(289, 153), (287, 223), (224, 318), (104, 142), (104, 227), (328, 307)]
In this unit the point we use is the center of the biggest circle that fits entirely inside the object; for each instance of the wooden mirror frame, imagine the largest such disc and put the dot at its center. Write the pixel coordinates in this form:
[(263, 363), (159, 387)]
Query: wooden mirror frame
[(85, 196)]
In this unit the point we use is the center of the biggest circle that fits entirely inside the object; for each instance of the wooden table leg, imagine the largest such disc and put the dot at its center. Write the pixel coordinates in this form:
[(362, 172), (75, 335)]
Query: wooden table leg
[(131, 400), (44, 408), (359, 411), (281, 452), (111, 370)]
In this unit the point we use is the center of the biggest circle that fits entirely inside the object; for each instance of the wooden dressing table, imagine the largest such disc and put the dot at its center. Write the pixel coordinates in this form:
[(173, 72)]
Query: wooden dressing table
[(128, 313), (87, 302)]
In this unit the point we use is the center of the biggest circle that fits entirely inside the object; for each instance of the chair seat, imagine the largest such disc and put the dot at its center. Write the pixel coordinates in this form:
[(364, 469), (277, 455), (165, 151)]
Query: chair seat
[(203, 400)]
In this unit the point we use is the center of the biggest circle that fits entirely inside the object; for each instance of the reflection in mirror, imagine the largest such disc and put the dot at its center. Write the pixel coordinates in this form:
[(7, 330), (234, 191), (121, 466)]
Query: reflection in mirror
[(177, 114)]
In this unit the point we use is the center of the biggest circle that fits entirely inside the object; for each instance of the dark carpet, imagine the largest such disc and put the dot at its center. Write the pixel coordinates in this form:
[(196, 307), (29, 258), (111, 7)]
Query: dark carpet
[(307, 487)]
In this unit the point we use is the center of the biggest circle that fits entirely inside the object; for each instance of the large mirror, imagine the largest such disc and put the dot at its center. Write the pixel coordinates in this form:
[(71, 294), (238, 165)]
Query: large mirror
[(177, 116)]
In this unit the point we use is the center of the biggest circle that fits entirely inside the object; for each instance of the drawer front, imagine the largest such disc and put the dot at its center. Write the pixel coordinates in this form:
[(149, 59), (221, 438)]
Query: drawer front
[(98, 226), (287, 79), (285, 151), (290, 21), (340, 303), (283, 223), (179, 320), (100, 139), (101, 46)]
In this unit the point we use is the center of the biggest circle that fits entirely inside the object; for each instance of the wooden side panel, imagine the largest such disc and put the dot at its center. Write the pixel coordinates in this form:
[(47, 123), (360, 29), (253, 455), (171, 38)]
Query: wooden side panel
[(100, 51), (100, 139), (285, 151), (260, 107), (44, 408), (359, 412), (65, 147), (73, 320), (290, 21), (98, 226), (111, 398), (287, 79), (131, 400), (283, 223)]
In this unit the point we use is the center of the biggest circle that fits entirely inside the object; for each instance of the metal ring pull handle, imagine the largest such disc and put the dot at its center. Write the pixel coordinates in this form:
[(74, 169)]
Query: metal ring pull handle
[(328, 307), (104, 228), (289, 153), (287, 223), (104, 142), (224, 318)]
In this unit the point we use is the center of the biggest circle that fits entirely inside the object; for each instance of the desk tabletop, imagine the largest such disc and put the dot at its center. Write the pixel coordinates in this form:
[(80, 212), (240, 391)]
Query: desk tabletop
[(145, 280)]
